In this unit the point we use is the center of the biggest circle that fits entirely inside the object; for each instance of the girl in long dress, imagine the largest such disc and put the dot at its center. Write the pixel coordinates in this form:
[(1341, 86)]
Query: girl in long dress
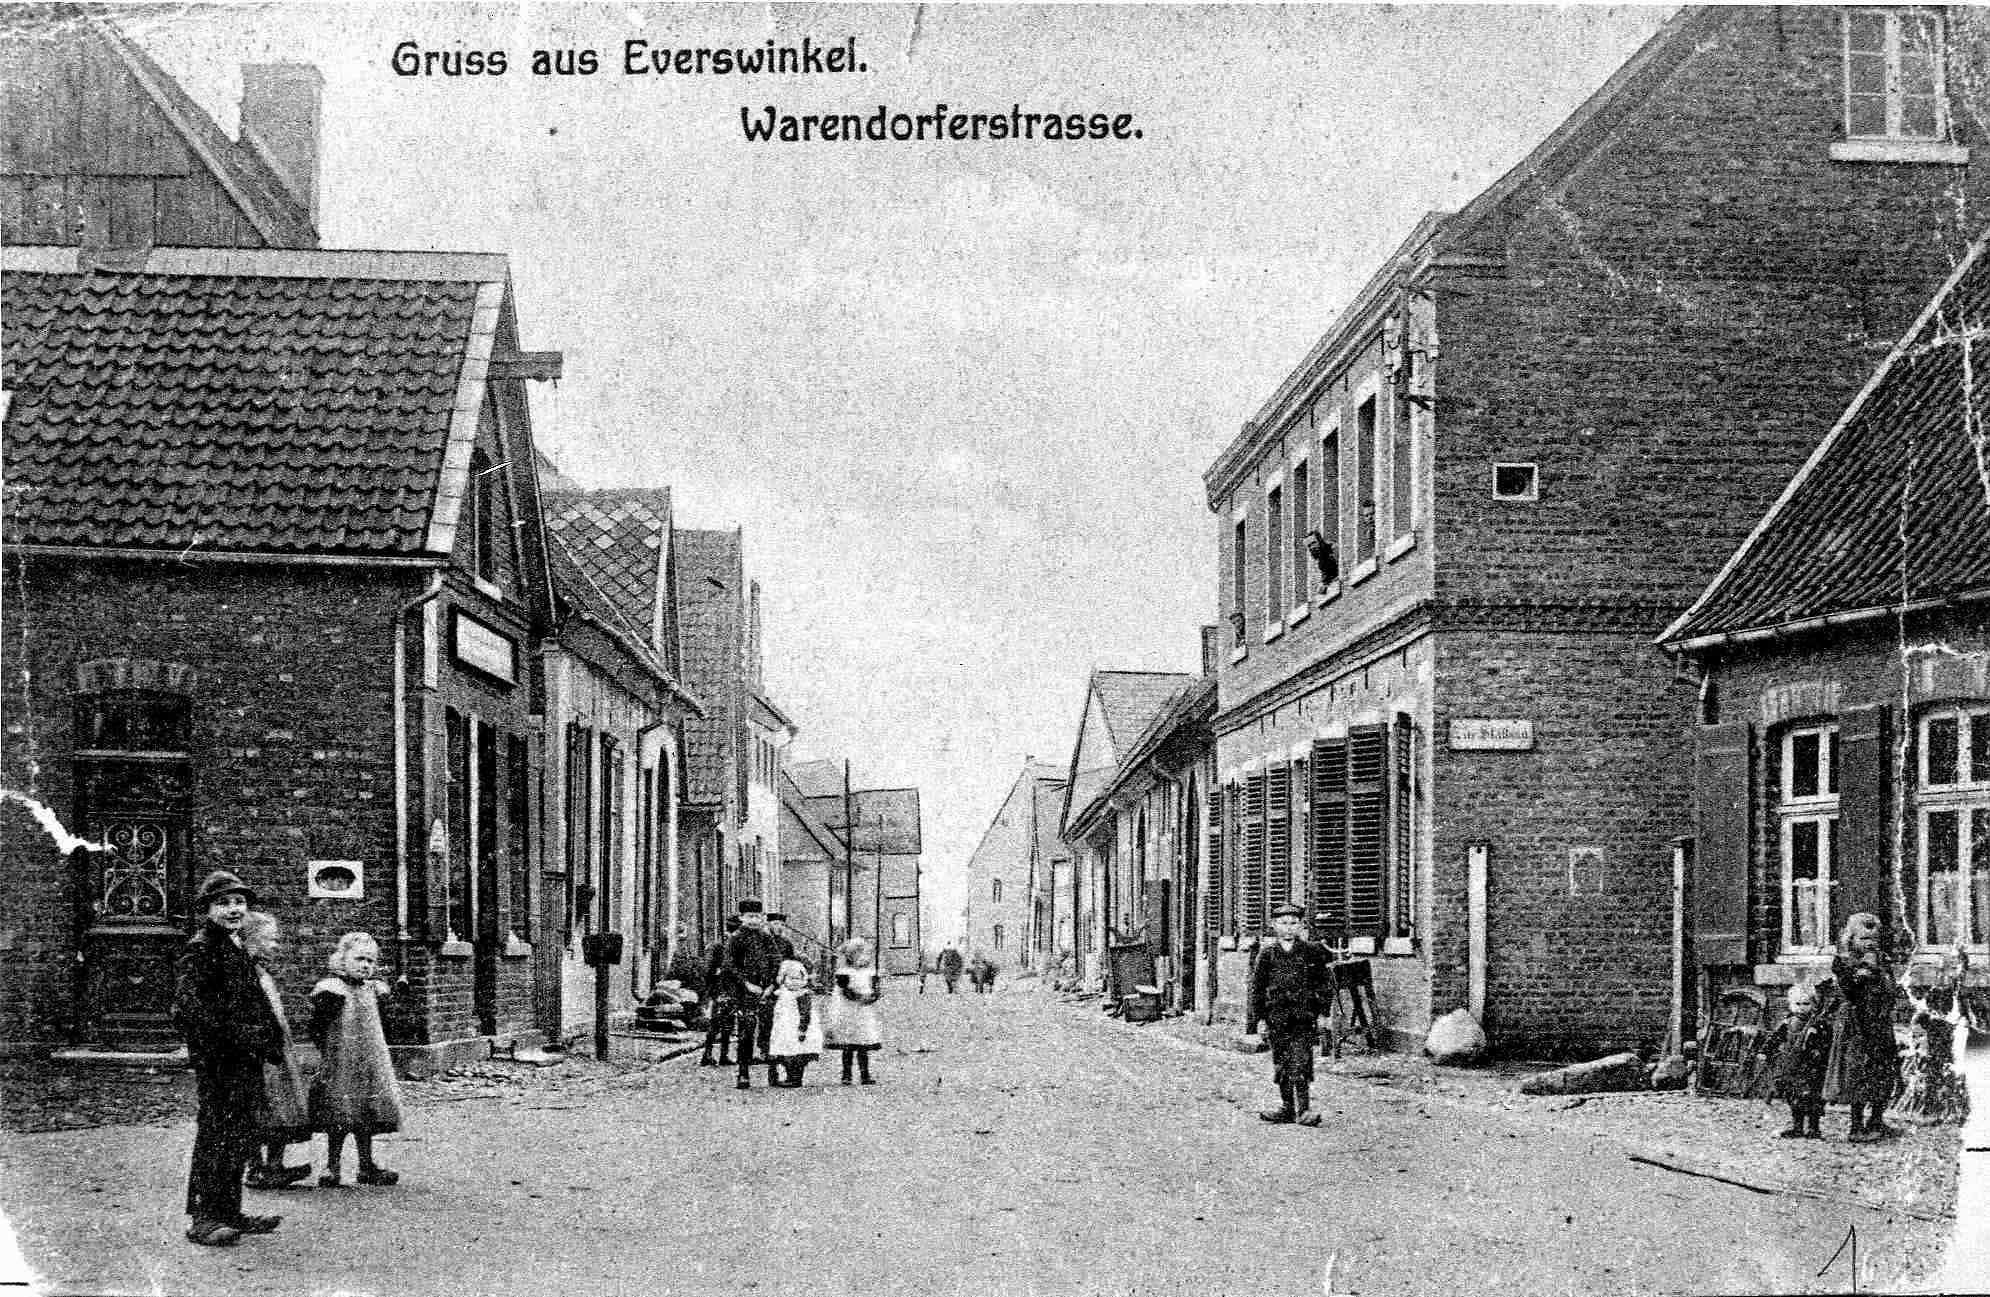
[(285, 1118), (355, 1092), (794, 1035), (1864, 1065), (852, 1025)]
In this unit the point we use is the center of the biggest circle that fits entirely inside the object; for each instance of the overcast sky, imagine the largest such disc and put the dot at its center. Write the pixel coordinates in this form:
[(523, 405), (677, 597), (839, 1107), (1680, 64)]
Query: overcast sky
[(960, 396)]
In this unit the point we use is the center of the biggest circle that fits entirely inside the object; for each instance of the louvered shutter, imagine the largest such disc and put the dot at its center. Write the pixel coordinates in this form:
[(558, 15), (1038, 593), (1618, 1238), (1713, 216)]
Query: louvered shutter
[(1252, 892), (1299, 883), (1326, 880), (1368, 780), (1212, 896), (1233, 801), (1403, 856), (1865, 832), (1278, 836), (1721, 857)]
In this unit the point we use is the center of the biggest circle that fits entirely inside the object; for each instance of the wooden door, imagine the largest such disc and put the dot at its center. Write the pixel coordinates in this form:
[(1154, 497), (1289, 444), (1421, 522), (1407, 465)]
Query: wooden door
[(137, 896)]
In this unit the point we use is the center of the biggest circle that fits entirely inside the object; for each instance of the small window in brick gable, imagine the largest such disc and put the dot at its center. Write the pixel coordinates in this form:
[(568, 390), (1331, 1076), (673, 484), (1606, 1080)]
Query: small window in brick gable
[(481, 503), (1516, 482), (1893, 75)]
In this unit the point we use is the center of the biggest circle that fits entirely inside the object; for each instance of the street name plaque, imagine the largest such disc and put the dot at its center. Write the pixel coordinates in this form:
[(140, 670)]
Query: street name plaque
[(1482, 734)]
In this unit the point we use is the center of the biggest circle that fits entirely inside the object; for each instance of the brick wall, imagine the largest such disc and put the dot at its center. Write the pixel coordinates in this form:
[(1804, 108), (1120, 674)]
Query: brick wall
[(1611, 768)]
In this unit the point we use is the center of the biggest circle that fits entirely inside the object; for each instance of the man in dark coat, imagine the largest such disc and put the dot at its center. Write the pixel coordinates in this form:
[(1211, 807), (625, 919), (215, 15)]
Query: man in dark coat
[(950, 964), (777, 926), (1292, 988), (719, 1007), (753, 960), (231, 1031)]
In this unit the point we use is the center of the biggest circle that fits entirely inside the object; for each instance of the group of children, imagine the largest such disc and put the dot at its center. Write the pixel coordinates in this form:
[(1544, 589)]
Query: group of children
[(798, 1028), (1838, 1046), (253, 1101)]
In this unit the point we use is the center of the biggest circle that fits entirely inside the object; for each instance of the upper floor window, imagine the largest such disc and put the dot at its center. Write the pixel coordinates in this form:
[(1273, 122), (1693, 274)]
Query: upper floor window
[(1274, 567), (1807, 818), (481, 502), (1367, 465), (1329, 528), (1402, 450), (996, 888), (1301, 484), (1893, 75), (998, 936), (1952, 810), (1239, 576)]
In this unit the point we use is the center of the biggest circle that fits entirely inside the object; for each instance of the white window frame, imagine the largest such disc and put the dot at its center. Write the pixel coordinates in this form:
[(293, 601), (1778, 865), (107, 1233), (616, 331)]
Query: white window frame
[(1533, 491), (1370, 389), (1892, 17), (1275, 557), (1240, 567), (1970, 792), (1401, 542), (1331, 590), (1819, 808), (1300, 605)]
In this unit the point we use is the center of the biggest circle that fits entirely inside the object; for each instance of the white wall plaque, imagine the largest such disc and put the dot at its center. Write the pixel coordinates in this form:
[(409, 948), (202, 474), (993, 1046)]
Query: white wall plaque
[(1481, 734), (485, 648)]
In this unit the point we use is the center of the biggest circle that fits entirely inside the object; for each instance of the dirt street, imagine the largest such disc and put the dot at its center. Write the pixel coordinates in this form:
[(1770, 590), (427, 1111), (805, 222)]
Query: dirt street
[(1016, 1145)]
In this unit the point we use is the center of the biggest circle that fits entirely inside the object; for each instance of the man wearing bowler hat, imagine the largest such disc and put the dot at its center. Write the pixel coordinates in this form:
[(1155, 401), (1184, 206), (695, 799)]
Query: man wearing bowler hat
[(231, 1031), (753, 958), (1292, 988)]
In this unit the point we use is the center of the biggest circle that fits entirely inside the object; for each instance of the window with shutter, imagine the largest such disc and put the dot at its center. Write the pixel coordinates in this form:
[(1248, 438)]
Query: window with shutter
[(1278, 836), (1368, 821), (1252, 893), (1326, 878), (1213, 891), (1402, 883)]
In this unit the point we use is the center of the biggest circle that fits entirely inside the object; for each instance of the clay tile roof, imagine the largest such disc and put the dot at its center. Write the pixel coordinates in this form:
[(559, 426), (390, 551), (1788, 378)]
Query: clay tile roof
[(1132, 699), (618, 538), (710, 615), (1894, 505), (235, 409)]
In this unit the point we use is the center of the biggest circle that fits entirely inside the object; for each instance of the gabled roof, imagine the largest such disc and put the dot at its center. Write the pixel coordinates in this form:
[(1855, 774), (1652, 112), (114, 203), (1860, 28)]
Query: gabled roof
[(1476, 229), (711, 612), (267, 203), (1892, 510), (262, 401), (621, 538), (577, 594), (1132, 699), (795, 807)]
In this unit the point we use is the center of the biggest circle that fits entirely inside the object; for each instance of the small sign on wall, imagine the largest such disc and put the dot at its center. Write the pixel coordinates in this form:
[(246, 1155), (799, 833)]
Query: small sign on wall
[(1585, 871), (1487, 734), (335, 880), (484, 648)]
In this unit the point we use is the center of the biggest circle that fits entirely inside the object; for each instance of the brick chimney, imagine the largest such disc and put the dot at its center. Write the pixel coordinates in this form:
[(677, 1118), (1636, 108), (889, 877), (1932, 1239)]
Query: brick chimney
[(280, 120), (1212, 650)]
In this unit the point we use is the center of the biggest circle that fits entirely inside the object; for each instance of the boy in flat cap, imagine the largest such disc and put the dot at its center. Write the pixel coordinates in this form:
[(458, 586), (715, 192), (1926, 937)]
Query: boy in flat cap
[(1291, 990), (231, 1031), (753, 959)]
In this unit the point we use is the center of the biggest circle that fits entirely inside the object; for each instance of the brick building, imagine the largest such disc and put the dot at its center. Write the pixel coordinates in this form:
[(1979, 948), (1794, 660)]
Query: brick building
[(273, 579), (1844, 751), (879, 897), (730, 819), (1106, 904), (814, 873), (1012, 871), (1448, 536), (614, 716)]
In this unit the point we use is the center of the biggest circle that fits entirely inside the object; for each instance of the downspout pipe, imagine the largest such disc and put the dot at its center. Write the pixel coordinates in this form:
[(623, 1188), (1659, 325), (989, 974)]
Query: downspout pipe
[(666, 837), (401, 615)]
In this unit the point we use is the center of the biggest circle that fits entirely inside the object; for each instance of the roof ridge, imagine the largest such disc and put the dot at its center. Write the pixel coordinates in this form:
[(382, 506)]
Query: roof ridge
[(261, 263)]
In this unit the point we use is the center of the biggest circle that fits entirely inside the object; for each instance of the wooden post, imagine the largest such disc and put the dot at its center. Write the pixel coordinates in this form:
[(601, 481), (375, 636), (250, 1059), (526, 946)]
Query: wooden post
[(1476, 869), (601, 1011)]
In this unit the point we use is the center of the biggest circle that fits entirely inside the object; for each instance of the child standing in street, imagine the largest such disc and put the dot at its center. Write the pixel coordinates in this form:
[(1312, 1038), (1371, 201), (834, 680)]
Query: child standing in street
[(1292, 988), (794, 1036), (1864, 1064), (355, 1092), (285, 1117), (853, 1027), (230, 1033), (1804, 1050)]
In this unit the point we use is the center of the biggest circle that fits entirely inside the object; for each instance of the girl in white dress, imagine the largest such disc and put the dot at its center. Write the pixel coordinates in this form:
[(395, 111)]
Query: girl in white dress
[(853, 1027), (794, 1036), (355, 1092)]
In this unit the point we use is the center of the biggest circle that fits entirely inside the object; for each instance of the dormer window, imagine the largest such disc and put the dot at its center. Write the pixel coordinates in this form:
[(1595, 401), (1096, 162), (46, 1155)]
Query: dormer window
[(1896, 107)]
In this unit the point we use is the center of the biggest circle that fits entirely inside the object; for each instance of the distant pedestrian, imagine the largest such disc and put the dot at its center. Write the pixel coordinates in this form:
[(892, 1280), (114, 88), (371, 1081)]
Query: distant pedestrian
[(794, 1026), (1799, 1053), (752, 963), (924, 963), (720, 1007), (285, 1118), (1864, 1065), (852, 1024), (950, 966), (220, 1007), (355, 1092), (1291, 990)]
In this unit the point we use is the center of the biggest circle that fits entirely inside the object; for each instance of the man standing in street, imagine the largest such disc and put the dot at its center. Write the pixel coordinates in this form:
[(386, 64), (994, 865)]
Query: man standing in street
[(752, 960), (719, 1007), (1291, 990), (950, 963)]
